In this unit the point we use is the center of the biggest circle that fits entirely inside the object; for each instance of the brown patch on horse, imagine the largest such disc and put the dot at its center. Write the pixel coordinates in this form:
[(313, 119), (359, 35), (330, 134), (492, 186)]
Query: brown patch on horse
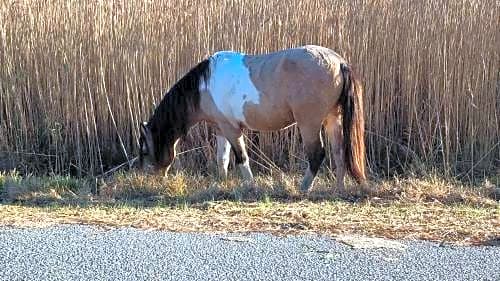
[(174, 115), (267, 75), (292, 83)]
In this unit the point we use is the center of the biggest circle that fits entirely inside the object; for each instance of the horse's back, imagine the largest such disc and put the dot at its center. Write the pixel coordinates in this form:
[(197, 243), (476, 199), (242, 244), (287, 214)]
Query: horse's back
[(269, 91)]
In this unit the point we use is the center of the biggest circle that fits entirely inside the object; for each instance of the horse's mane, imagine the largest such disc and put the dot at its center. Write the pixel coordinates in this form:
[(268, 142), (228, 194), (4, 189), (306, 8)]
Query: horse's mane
[(171, 116)]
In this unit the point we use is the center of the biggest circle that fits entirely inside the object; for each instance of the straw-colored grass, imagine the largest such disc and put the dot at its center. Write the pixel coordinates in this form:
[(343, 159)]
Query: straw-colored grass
[(149, 190), (447, 224), (432, 208), (77, 77)]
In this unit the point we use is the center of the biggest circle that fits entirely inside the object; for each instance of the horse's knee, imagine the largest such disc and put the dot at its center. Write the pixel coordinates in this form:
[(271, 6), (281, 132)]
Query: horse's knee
[(239, 156)]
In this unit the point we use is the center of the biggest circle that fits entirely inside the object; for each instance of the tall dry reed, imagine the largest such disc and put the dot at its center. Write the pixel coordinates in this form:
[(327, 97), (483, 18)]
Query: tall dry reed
[(77, 77)]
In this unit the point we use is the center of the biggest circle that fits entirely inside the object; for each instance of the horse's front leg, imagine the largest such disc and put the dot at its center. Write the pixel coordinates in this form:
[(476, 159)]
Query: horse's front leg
[(235, 138), (223, 151), (241, 158)]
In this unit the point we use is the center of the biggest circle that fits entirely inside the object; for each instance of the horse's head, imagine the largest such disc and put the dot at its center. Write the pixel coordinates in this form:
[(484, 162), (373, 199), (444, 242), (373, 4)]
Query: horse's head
[(172, 118), (156, 149)]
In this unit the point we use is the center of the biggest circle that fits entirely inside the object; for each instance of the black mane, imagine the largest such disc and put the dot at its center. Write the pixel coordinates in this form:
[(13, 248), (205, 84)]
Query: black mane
[(170, 119)]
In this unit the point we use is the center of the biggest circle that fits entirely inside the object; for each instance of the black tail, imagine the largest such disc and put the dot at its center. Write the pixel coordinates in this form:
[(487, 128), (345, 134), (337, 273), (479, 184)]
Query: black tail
[(353, 123)]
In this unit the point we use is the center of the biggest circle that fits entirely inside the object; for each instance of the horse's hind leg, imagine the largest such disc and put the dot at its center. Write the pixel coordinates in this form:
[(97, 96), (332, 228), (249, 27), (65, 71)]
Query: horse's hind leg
[(223, 151), (333, 126), (311, 137)]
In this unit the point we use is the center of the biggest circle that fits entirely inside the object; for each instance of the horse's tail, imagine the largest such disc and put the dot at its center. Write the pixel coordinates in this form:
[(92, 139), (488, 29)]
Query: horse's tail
[(353, 124)]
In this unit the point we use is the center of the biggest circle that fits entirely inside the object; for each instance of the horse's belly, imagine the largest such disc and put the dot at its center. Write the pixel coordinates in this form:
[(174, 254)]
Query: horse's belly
[(268, 117), (242, 107)]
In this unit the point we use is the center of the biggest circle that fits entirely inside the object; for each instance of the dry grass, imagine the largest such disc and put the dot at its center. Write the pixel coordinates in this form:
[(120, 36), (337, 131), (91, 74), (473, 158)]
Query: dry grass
[(431, 209), (196, 189), (77, 77), (147, 190), (453, 224)]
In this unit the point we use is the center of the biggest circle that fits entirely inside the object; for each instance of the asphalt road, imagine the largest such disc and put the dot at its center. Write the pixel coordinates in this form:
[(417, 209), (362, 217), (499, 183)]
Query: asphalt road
[(89, 253)]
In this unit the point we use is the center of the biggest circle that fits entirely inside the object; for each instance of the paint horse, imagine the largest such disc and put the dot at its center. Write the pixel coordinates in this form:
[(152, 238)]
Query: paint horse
[(311, 86)]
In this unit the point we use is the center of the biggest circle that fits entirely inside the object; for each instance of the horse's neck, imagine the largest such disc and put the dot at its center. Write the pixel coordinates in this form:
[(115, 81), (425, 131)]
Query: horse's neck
[(195, 117), (181, 106), (176, 116)]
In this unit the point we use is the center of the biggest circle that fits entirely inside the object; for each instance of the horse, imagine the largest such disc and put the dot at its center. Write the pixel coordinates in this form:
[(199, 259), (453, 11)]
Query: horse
[(310, 86)]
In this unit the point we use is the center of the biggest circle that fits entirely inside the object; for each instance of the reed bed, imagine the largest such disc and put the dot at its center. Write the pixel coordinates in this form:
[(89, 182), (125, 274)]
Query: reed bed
[(77, 78)]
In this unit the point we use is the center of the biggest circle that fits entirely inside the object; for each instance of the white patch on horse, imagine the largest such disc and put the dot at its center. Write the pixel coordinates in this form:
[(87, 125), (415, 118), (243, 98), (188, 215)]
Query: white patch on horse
[(231, 86), (223, 151)]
